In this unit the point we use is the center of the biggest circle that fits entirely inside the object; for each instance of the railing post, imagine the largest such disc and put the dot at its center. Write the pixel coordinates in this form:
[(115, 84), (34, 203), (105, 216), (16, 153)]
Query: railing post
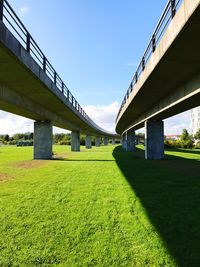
[(143, 63), (153, 43), (44, 63), (68, 94), (28, 42), (136, 77), (131, 86), (173, 7), (63, 87), (55, 77), (1, 10)]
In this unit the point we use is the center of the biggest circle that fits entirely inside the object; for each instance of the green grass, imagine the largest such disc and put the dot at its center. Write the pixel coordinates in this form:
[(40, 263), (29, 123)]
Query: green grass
[(102, 207)]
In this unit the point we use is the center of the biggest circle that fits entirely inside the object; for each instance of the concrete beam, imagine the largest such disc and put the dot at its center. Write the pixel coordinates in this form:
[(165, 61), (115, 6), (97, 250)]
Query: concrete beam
[(88, 141), (130, 141), (105, 141), (154, 140), (43, 139), (75, 141), (97, 141)]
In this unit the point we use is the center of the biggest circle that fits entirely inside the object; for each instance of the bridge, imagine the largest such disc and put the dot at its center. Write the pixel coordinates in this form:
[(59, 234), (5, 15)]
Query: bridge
[(31, 87), (167, 80)]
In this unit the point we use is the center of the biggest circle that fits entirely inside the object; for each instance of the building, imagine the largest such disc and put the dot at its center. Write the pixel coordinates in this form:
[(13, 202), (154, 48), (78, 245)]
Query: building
[(195, 119), (173, 137)]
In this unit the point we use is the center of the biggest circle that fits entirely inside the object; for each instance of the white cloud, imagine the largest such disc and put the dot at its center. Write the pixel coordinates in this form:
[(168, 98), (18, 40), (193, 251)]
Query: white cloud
[(10, 124), (176, 124), (24, 10), (104, 116)]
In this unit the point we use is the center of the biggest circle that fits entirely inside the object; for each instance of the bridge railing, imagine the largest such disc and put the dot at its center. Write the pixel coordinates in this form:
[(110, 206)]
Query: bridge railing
[(14, 24), (167, 15)]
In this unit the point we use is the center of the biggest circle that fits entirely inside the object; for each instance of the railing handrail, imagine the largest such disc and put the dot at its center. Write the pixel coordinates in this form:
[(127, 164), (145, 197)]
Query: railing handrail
[(9, 17), (170, 10)]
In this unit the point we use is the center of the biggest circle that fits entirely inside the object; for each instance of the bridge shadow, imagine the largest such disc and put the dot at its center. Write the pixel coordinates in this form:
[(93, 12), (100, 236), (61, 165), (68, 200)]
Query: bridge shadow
[(85, 160), (171, 198)]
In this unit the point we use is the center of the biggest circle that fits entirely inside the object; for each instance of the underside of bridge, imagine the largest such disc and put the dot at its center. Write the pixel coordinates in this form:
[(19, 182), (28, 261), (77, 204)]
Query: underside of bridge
[(170, 82)]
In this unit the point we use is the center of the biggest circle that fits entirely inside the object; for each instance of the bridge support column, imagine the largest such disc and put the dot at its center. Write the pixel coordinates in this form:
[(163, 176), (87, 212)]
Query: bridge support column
[(88, 142), (75, 141), (154, 140), (43, 132), (130, 141), (97, 141), (123, 140), (105, 141), (113, 141)]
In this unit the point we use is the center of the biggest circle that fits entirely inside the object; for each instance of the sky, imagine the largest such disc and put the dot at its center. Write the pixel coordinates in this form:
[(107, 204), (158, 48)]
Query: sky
[(95, 46)]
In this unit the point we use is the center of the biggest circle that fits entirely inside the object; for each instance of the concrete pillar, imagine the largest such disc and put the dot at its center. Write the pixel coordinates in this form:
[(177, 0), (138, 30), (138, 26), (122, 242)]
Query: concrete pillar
[(88, 141), (130, 140), (113, 141), (105, 141), (97, 141), (43, 137), (124, 140), (75, 141), (154, 140)]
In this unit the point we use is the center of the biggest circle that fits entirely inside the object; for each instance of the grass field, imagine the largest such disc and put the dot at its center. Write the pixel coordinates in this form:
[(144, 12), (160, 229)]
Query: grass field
[(102, 207)]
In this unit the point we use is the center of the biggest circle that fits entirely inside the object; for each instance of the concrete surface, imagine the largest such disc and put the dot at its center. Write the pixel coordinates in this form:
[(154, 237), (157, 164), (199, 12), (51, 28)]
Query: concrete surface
[(88, 141), (97, 141), (130, 141), (75, 141), (43, 137), (154, 140), (170, 83)]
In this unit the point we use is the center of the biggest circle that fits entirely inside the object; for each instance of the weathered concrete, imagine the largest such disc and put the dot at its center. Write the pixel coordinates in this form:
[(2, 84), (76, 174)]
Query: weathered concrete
[(170, 82), (154, 140), (88, 141), (113, 141), (130, 141), (75, 141), (123, 140), (97, 141), (105, 141), (43, 140)]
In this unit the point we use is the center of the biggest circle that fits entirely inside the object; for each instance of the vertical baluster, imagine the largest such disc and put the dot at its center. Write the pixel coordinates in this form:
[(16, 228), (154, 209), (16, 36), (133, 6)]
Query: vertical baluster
[(55, 77), (143, 63), (1, 10), (44, 63), (28, 43), (153, 43), (173, 7)]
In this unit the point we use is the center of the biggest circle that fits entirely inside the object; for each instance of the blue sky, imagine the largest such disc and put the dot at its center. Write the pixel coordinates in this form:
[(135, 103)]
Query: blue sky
[(95, 46)]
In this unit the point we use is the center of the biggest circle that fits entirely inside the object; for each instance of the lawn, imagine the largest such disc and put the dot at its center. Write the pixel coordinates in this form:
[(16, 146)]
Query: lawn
[(102, 207)]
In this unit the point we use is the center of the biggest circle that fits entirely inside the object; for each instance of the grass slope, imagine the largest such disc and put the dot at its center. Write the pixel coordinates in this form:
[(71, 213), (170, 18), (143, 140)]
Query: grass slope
[(102, 207)]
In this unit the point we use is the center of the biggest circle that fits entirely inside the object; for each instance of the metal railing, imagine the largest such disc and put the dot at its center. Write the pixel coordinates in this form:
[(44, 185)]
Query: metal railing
[(167, 16), (14, 24)]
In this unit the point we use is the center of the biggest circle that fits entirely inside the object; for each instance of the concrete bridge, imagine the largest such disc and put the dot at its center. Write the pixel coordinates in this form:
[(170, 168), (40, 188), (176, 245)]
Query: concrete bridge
[(167, 80), (30, 87)]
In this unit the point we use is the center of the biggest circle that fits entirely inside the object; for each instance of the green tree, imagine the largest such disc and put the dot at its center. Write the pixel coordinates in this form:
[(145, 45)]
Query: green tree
[(197, 135), (186, 140)]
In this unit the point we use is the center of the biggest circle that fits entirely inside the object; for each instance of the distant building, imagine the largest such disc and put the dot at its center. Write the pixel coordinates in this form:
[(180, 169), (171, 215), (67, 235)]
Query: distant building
[(195, 119), (172, 137)]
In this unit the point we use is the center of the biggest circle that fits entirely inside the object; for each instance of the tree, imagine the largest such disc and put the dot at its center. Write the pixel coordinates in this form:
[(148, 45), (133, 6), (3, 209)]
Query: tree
[(197, 135), (186, 139)]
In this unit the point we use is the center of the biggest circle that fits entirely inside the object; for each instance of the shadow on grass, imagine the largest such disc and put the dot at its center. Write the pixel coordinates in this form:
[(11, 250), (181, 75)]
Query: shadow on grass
[(171, 199), (65, 159)]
